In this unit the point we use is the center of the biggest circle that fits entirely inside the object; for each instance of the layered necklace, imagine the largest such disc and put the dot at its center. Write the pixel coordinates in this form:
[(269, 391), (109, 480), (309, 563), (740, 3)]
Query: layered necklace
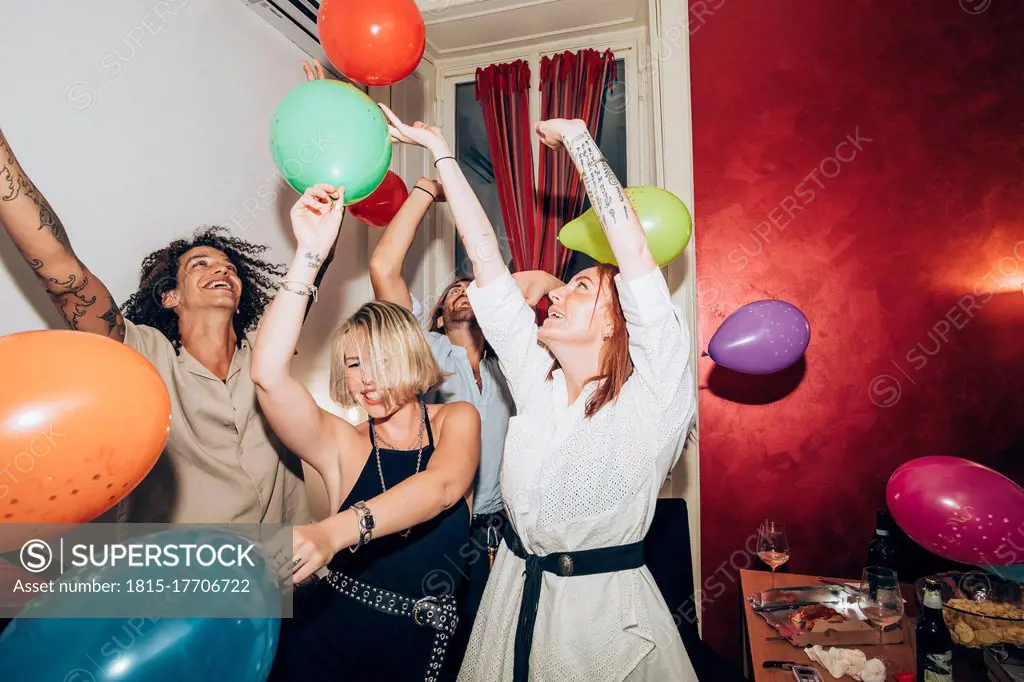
[(377, 437)]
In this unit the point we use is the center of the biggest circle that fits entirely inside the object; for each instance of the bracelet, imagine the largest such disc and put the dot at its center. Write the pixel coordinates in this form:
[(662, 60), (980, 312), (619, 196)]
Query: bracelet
[(366, 524), (442, 159), (425, 190), (305, 290)]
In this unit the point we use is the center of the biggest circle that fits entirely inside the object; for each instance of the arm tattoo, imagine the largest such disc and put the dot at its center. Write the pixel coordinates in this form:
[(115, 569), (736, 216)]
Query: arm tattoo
[(13, 182), (603, 188), (69, 298), (114, 320), (313, 260), (10, 192), (7, 175), (47, 216)]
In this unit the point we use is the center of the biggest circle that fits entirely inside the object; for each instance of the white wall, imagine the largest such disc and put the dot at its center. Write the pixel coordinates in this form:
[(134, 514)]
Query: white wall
[(143, 119)]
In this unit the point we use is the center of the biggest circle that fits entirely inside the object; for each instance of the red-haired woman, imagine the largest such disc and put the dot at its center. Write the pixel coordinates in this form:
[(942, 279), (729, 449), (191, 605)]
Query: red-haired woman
[(604, 395)]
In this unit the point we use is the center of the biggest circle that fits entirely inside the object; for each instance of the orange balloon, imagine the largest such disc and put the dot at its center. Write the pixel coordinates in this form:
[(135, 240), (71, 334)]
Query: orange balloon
[(83, 419), (373, 42)]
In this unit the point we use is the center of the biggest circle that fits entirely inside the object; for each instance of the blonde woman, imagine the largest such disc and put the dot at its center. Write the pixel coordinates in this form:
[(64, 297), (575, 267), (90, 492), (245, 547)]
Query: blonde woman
[(399, 480)]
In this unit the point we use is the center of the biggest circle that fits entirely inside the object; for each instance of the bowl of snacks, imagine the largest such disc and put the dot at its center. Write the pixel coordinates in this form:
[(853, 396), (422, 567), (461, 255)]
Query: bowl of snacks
[(980, 609)]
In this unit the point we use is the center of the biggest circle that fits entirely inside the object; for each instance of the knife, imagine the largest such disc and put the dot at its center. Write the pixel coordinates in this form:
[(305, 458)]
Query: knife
[(782, 665), (839, 583)]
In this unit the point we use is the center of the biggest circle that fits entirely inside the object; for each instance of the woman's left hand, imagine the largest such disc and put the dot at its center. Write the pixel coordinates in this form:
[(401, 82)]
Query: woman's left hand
[(421, 134), (316, 217), (312, 549), (553, 131)]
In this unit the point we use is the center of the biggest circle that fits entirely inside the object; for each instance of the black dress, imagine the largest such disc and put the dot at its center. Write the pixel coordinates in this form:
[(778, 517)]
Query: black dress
[(337, 636)]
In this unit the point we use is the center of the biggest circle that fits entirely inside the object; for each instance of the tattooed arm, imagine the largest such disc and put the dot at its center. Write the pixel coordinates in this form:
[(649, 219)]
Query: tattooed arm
[(618, 219), (80, 297)]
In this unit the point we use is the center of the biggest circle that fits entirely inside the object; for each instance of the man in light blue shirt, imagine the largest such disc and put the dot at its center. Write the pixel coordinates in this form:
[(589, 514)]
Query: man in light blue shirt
[(471, 374)]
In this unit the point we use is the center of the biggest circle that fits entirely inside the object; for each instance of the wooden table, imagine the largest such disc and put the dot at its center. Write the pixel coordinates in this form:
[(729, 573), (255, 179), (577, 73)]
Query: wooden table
[(758, 648)]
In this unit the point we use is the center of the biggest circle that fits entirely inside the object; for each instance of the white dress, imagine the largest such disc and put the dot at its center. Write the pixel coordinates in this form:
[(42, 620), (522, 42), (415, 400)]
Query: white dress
[(571, 483)]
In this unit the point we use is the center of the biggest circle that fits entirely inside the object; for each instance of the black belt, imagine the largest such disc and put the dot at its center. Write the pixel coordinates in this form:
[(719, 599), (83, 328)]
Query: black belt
[(564, 564), (435, 612)]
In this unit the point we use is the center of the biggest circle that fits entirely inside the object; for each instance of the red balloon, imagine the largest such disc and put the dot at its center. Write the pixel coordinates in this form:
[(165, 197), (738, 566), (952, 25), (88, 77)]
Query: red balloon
[(380, 207), (373, 42), (960, 510)]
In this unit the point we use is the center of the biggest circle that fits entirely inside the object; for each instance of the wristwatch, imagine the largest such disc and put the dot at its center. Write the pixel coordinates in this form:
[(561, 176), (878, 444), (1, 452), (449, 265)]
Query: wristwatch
[(366, 524)]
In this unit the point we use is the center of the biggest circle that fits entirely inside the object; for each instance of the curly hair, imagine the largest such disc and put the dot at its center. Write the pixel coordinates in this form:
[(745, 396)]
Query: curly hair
[(160, 275)]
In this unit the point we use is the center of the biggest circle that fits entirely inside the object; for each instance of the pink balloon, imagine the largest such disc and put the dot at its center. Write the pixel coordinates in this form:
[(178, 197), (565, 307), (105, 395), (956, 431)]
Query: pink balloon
[(960, 510)]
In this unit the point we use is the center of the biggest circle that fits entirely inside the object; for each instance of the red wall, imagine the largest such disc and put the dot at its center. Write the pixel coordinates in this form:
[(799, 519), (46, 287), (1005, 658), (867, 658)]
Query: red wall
[(863, 160)]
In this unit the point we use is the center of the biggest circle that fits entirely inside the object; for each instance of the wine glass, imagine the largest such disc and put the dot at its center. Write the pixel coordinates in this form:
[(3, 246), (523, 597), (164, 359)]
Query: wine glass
[(772, 545), (880, 598)]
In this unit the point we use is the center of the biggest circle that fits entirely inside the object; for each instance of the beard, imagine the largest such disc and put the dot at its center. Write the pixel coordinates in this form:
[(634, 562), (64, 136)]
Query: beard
[(459, 315)]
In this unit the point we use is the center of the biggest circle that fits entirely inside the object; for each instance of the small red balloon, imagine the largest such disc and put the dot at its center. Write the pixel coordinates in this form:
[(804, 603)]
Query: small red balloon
[(380, 207), (375, 42)]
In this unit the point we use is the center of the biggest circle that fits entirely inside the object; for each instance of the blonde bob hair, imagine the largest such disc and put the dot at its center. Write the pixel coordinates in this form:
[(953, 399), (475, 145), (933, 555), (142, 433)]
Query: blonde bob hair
[(397, 354)]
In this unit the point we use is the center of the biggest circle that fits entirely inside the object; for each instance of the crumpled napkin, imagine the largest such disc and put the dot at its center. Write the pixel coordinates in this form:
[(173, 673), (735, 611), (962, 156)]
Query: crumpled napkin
[(850, 662)]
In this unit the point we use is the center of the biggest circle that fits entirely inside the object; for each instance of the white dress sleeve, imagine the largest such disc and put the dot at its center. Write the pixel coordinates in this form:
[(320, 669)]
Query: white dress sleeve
[(510, 326), (659, 346)]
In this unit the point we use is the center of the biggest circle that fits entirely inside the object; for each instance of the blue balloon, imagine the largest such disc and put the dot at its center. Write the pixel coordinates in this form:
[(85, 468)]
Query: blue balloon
[(139, 649), (52, 640)]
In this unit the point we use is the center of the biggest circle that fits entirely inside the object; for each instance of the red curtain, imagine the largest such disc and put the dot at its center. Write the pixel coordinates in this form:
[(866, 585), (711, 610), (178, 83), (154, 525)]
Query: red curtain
[(503, 91), (572, 85)]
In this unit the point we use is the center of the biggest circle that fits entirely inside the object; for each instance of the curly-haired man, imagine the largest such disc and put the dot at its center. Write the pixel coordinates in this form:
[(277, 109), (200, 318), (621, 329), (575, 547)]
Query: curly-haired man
[(198, 301)]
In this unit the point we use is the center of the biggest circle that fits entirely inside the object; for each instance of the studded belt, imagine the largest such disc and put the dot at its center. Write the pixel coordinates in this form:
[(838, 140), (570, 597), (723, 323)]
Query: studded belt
[(439, 613), (566, 565)]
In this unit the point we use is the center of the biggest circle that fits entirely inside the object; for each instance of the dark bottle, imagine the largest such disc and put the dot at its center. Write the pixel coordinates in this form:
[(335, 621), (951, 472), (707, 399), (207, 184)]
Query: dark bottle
[(882, 550), (934, 645)]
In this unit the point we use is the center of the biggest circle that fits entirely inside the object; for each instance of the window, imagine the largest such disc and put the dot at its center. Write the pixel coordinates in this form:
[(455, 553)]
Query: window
[(474, 156)]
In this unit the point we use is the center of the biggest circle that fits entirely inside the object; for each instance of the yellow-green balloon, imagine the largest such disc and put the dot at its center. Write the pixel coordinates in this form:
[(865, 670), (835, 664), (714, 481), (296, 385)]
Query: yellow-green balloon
[(664, 217)]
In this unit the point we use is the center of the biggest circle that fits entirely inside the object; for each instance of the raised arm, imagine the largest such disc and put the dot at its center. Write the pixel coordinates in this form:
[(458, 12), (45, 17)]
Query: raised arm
[(298, 421), (621, 225), (471, 221), (419, 498), (80, 297), (389, 256)]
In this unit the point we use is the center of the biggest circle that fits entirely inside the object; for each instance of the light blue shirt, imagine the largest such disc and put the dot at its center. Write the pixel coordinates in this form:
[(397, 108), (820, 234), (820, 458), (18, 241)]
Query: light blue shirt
[(493, 402)]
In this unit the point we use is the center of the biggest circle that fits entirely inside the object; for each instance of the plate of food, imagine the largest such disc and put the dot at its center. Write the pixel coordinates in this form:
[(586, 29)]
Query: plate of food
[(819, 615)]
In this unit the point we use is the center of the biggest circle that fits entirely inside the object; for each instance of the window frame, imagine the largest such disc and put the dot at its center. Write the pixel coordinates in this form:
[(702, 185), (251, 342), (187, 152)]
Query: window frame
[(626, 45)]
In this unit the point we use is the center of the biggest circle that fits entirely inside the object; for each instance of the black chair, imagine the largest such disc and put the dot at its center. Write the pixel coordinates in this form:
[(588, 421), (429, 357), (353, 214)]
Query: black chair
[(668, 556)]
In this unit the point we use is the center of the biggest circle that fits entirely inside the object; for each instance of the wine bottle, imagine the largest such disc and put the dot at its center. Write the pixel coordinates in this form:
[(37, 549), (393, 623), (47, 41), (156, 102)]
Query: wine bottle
[(882, 549), (934, 645)]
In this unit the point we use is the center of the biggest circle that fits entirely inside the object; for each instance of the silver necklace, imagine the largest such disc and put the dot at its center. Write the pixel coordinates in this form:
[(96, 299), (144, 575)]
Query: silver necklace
[(419, 455)]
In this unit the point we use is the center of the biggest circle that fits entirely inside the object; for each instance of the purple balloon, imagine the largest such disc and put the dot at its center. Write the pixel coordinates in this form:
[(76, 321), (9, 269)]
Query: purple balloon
[(762, 337)]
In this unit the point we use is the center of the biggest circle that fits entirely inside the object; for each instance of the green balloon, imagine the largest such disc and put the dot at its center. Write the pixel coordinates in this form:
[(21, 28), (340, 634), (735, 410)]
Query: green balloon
[(329, 131), (664, 217)]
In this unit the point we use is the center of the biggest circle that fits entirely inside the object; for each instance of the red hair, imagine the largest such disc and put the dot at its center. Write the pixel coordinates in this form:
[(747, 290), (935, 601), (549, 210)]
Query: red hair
[(615, 365)]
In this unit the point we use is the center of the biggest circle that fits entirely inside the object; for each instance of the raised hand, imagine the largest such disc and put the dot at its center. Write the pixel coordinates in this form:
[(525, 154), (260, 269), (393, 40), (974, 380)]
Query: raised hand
[(316, 218), (419, 133), (553, 131), (314, 72), (432, 186)]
